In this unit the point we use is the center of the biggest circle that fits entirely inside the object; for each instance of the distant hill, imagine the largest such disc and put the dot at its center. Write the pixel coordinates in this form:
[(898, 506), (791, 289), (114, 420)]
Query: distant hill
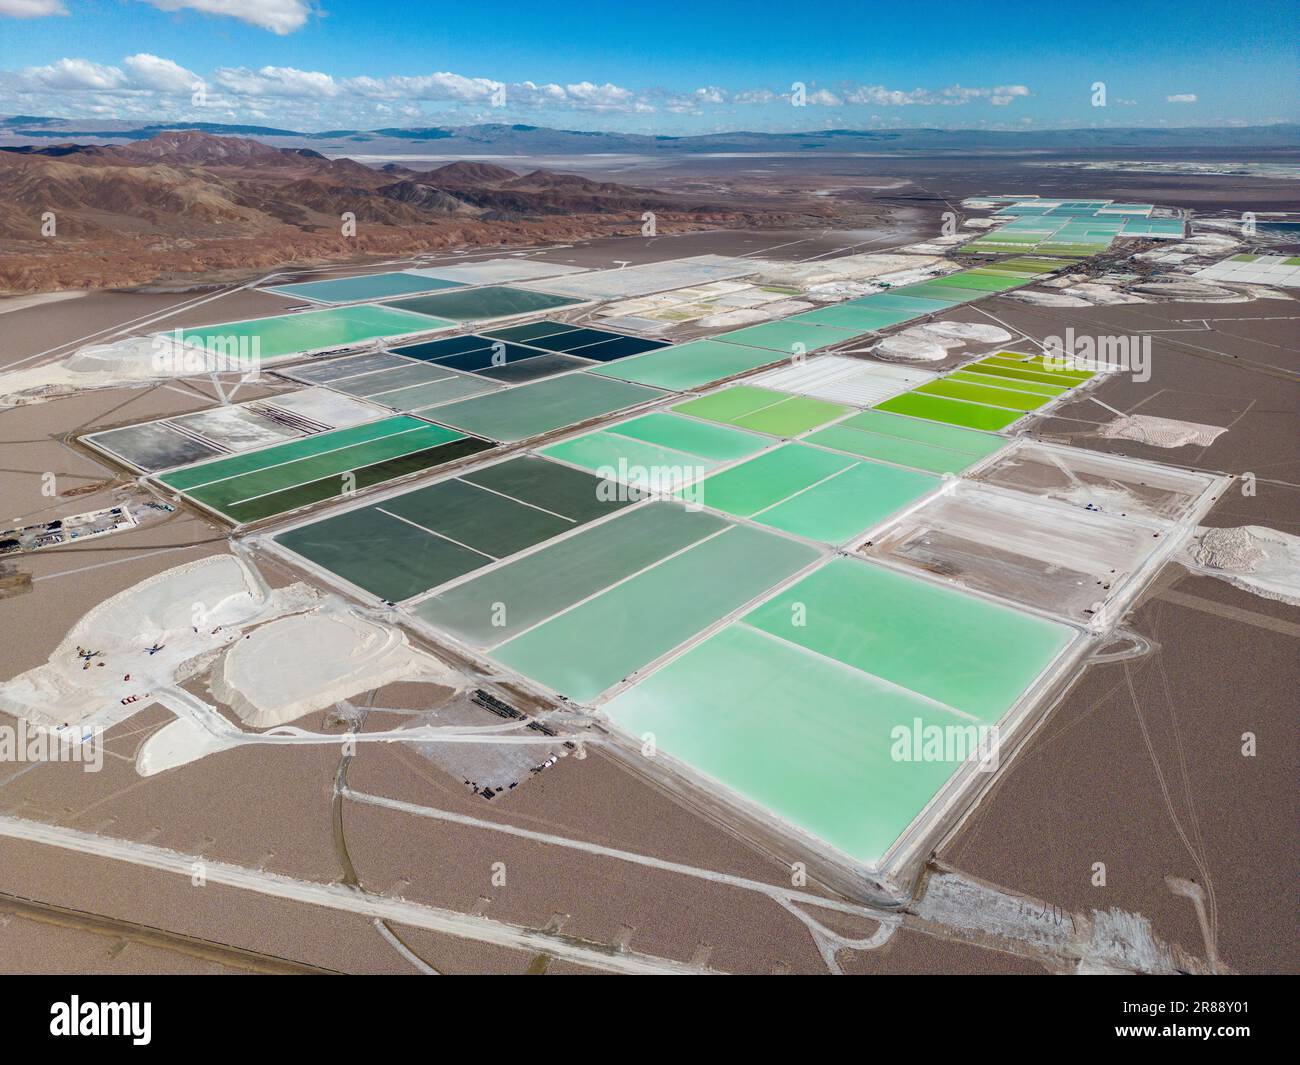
[(471, 174), (518, 139), (186, 201), (180, 181)]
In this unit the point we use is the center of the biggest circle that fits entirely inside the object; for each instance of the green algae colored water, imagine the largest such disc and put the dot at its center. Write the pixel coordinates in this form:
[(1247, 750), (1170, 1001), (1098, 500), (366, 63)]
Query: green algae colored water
[(763, 410), (1010, 377), (994, 397), (950, 411), (976, 378)]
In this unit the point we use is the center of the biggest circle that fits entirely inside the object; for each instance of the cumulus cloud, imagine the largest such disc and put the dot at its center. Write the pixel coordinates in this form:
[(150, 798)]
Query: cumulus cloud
[(31, 8), (150, 72), (439, 86), (607, 97), (73, 75), (279, 16), (159, 88), (289, 90), (1181, 98), (276, 82)]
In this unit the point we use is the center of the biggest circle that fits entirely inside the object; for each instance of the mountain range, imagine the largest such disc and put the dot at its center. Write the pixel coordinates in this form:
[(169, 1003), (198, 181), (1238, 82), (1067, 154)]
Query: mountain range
[(501, 138), (187, 202)]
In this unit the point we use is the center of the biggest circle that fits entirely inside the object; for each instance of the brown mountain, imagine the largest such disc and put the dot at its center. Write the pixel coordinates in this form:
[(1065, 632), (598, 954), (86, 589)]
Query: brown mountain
[(190, 148), (474, 175), (425, 197), (186, 202)]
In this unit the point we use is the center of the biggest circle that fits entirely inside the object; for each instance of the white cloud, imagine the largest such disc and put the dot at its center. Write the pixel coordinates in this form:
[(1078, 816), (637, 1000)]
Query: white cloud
[(74, 74), (31, 8), (148, 85), (607, 97), (681, 103), (532, 95), (952, 96), (64, 87), (1181, 98), (879, 96), (823, 98), (279, 16), (1005, 94), (151, 72), (276, 82), (440, 86)]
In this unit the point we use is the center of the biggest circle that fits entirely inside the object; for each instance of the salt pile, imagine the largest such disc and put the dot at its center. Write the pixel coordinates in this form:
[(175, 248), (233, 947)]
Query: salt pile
[(1259, 560), (1161, 432), (932, 341)]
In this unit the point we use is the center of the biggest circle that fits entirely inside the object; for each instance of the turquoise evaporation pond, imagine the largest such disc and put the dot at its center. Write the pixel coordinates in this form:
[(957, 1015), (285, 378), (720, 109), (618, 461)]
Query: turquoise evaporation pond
[(810, 492), (657, 452), (365, 287), (787, 336), (482, 304), (808, 706), (599, 642), (957, 649), (888, 301), (846, 316), (506, 601), (282, 335)]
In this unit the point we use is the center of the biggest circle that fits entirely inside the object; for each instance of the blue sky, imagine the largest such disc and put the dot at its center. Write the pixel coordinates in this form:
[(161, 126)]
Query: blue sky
[(651, 68)]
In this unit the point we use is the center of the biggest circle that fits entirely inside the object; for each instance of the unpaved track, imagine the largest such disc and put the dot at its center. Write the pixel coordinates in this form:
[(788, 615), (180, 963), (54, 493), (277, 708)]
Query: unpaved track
[(342, 898)]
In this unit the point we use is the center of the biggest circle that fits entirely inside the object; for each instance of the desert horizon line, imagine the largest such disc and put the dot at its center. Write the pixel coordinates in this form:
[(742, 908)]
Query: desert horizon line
[(107, 127)]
